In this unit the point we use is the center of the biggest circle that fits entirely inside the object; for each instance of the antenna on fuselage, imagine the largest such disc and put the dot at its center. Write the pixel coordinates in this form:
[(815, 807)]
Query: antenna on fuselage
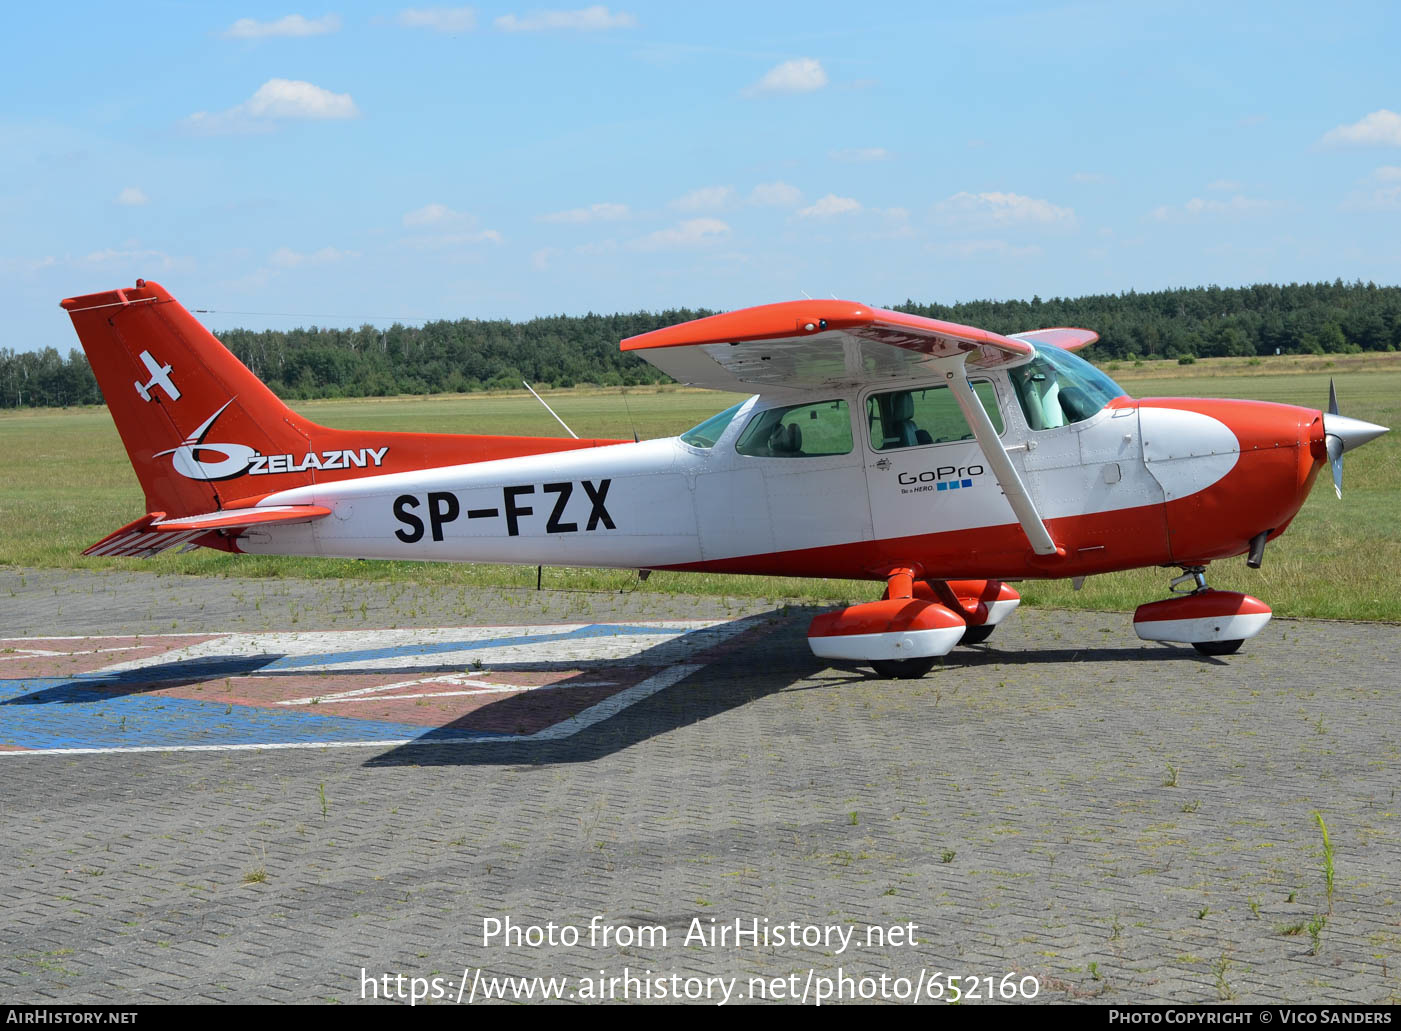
[(628, 408), (550, 410)]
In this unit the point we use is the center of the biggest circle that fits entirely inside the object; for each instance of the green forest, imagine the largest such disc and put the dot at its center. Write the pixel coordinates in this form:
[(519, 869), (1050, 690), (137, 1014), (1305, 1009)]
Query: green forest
[(564, 351)]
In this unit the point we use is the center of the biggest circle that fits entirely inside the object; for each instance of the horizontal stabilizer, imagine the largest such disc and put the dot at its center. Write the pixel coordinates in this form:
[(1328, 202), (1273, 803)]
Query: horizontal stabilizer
[(153, 533), (231, 518)]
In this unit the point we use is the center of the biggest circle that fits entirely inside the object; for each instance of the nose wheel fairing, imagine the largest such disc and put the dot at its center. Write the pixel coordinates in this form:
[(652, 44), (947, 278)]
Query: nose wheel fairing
[(1203, 617)]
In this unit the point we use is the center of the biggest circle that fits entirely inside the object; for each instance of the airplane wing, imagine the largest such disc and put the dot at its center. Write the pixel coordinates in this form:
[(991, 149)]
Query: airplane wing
[(804, 345), (153, 533), (811, 345)]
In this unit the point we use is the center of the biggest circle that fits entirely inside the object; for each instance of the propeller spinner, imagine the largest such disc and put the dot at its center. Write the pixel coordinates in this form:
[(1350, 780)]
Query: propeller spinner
[(1342, 434)]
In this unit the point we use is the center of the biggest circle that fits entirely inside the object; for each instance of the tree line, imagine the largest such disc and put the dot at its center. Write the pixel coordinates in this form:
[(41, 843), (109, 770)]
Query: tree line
[(458, 356)]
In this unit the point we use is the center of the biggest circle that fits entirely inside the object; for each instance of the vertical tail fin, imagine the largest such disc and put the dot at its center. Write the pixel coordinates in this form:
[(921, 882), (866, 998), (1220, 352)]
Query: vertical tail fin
[(202, 431), (177, 396)]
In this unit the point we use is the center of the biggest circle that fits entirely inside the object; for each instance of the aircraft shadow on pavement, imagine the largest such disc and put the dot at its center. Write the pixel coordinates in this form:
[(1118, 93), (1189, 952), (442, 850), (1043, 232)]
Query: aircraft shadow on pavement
[(778, 661), (771, 657)]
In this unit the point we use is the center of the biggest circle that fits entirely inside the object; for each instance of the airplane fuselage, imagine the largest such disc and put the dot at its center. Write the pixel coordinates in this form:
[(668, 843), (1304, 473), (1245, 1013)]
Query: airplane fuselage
[(1138, 483)]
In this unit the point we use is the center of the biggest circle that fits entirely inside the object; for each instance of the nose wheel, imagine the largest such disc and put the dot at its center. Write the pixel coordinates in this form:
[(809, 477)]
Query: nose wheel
[(1219, 647), (902, 669)]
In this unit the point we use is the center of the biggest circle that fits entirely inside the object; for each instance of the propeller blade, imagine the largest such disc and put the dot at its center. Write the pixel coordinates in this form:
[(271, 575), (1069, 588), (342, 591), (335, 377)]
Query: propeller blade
[(1342, 434), (1335, 456)]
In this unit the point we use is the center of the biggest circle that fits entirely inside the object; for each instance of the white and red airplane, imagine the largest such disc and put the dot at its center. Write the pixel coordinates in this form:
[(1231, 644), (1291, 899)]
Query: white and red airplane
[(941, 459)]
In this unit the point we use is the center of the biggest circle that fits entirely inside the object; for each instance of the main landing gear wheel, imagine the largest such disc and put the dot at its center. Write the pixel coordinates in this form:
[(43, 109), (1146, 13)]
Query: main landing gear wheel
[(1219, 647), (977, 634), (903, 669)]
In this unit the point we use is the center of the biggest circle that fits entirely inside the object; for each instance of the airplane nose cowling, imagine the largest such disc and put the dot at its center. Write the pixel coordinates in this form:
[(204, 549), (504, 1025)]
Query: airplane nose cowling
[(1230, 470)]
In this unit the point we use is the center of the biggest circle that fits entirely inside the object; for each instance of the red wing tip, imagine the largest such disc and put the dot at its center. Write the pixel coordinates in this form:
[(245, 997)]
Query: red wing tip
[(758, 323), (1068, 338), (797, 318)]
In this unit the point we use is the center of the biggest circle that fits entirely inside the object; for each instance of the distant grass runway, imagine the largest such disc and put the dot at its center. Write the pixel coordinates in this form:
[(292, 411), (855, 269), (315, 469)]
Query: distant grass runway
[(65, 482)]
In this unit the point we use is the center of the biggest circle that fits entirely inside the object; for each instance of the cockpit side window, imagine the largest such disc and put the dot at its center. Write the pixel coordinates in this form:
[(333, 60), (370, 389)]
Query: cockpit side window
[(1056, 388), (929, 415), (799, 431)]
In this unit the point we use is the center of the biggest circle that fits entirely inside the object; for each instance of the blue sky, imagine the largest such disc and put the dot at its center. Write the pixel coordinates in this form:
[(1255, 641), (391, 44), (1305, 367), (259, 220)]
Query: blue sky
[(364, 162)]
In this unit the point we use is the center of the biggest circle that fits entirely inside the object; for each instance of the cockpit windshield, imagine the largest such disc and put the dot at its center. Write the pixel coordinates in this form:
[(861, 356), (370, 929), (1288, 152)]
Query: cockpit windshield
[(1056, 388), (707, 433)]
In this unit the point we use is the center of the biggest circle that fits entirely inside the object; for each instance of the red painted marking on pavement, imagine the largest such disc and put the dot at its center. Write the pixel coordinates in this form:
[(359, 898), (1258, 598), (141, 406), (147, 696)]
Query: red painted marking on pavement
[(82, 654), (480, 710)]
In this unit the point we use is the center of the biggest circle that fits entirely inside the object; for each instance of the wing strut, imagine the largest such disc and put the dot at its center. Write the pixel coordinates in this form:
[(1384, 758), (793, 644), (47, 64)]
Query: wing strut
[(1002, 467)]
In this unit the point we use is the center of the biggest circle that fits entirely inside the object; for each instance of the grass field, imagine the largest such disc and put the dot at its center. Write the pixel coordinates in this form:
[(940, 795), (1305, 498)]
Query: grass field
[(65, 482)]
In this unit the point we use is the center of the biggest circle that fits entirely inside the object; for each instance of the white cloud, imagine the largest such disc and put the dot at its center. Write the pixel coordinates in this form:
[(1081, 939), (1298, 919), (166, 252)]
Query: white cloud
[(291, 25), (691, 233), (1385, 198), (1383, 192), (831, 205), (285, 257), (111, 255), (434, 214), (587, 19), (439, 19), (778, 194), (440, 226), (707, 198), (1379, 129), (1004, 208), (597, 247), (860, 154), (1197, 207), (439, 241), (800, 75), (540, 260), (983, 249), (132, 196), (277, 100), (605, 212)]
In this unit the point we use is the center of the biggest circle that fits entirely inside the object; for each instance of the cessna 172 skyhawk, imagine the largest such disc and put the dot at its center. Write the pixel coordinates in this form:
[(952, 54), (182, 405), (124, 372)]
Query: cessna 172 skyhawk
[(941, 459)]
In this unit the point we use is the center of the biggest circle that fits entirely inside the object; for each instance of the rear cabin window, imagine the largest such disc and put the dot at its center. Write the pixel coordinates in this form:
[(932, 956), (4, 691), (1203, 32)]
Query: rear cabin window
[(800, 431), (929, 415)]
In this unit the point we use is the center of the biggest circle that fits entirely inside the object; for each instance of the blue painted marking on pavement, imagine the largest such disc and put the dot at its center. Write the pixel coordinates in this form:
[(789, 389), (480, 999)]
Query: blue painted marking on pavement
[(115, 710), (95, 716)]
